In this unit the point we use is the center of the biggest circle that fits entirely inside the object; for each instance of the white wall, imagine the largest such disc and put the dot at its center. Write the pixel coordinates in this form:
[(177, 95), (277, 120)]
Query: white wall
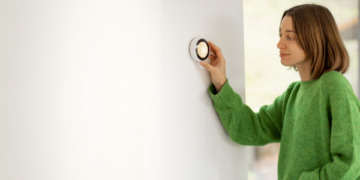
[(92, 90), (195, 144)]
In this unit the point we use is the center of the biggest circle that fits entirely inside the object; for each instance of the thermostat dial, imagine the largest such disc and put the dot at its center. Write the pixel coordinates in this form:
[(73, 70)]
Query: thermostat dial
[(199, 49)]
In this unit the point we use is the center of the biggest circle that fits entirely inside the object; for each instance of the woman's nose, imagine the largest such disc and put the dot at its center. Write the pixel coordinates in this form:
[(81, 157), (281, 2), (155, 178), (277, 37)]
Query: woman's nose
[(280, 44)]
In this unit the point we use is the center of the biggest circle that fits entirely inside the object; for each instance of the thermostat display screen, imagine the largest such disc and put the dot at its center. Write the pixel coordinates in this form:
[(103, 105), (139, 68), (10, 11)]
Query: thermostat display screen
[(202, 49)]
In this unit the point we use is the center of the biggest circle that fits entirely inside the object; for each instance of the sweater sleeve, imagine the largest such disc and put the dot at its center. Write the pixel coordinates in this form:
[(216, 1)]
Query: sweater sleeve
[(344, 109), (243, 125)]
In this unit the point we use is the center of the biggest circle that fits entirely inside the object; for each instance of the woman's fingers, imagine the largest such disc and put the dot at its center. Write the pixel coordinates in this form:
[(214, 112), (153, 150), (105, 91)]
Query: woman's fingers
[(208, 66), (217, 66), (216, 50), (212, 47)]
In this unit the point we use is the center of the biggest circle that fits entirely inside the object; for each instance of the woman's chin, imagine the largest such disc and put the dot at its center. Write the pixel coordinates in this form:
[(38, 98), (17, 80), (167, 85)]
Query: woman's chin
[(284, 63)]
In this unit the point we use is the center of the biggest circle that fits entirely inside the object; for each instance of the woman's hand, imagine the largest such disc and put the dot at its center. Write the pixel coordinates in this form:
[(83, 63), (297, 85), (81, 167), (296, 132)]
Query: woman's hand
[(217, 67)]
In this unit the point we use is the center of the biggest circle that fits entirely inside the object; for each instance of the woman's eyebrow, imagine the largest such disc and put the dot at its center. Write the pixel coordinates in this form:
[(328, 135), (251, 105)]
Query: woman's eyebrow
[(286, 30)]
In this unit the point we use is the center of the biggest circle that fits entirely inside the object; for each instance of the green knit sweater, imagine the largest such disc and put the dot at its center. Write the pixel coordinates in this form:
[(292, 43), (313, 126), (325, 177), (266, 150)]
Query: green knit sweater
[(317, 123)]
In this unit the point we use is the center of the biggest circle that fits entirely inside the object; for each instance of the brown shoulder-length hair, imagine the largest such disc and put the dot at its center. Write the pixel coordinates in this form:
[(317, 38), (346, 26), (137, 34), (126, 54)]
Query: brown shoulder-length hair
[(319, 37)]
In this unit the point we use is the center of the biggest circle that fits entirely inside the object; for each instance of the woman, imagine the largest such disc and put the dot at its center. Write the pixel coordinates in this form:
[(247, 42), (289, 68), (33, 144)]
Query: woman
[(317, 119)]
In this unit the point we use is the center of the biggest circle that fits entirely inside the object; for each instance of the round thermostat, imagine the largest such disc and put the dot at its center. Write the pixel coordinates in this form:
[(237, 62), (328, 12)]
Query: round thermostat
[(199, 49)]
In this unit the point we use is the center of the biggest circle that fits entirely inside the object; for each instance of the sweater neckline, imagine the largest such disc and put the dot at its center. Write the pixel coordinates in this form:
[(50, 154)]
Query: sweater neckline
[(307, 82)]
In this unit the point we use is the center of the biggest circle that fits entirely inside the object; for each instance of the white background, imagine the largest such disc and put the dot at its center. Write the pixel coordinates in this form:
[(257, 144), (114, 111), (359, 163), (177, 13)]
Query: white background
[(107, 90)]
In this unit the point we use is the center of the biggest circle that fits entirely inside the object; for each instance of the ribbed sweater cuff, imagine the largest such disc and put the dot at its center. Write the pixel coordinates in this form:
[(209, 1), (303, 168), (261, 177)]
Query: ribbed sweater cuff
[(225, 96)]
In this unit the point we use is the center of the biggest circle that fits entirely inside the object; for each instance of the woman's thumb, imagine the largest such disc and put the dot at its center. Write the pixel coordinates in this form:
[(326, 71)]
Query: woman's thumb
[(206, 65)]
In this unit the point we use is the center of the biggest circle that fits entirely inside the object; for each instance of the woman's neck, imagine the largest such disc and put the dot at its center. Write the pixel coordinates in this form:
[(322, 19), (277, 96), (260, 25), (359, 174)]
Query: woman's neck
[(304, 70)]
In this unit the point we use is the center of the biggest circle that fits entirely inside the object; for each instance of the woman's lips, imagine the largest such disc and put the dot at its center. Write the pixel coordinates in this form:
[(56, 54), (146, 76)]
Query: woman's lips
[(283, 55)]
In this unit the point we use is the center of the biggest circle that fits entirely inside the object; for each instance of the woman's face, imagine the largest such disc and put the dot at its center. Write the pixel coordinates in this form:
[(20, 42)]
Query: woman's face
[(287, 44)]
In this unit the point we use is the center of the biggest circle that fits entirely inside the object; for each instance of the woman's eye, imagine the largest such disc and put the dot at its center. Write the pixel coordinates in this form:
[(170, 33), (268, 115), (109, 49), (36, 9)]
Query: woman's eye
[(288, 37)]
